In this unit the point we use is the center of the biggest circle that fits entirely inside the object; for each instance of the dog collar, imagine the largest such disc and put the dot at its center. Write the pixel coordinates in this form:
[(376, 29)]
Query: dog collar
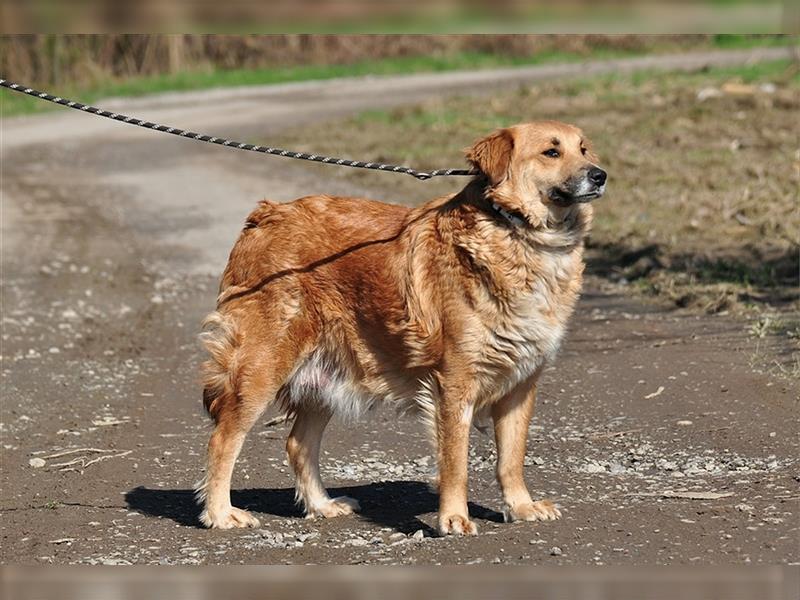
[(511, 218)]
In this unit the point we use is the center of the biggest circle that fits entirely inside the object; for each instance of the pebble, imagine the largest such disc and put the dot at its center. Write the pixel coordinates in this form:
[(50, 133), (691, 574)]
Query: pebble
[(594, 467), (556, 551), (397, 535), (684, 423), (37, 463), (418, 534)]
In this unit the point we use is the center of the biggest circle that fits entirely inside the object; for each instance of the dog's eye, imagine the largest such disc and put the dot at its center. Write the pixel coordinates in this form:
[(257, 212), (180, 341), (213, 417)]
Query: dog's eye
[(552, 153)]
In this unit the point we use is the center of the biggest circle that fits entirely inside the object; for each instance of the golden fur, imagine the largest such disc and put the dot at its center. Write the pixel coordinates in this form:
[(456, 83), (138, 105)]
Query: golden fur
[(329, 305)]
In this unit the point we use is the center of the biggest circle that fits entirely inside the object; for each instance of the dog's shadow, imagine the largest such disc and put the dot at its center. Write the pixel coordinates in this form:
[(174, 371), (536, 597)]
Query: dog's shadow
[(395, 504)]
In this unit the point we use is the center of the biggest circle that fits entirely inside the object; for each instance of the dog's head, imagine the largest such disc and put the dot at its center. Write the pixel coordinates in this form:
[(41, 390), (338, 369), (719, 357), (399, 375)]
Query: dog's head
[(538, 168)]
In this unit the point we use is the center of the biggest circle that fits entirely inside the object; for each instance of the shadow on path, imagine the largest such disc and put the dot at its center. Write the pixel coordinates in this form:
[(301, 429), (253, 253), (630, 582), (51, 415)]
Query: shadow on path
[(395, 504)]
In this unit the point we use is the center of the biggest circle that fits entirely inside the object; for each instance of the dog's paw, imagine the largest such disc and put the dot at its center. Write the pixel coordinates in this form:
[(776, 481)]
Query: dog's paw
[(456, 525), (335, 507), (230, 519), (543, 510)]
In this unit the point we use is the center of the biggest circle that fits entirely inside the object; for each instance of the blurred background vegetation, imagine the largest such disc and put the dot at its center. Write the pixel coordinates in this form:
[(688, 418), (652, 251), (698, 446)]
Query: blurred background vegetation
[(96, 66)]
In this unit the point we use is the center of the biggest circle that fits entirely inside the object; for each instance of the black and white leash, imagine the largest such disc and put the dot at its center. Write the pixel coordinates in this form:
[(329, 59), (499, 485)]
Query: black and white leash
[(344, 162)]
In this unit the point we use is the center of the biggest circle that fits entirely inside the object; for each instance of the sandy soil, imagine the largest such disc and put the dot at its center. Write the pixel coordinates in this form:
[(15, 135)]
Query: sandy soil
[(654, 432)]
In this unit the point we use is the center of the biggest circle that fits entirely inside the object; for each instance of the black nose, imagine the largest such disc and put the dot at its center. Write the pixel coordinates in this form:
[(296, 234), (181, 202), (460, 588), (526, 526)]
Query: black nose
[(597, 176)]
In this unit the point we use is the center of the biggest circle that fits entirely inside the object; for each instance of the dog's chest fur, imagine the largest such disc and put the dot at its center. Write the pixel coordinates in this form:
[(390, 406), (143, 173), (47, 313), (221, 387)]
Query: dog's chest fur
[(529, 294)]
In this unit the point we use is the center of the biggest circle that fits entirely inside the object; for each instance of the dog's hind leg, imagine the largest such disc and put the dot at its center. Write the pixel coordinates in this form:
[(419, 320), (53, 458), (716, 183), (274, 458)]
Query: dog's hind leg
[(303, 446), (215, 490), (240, 382)]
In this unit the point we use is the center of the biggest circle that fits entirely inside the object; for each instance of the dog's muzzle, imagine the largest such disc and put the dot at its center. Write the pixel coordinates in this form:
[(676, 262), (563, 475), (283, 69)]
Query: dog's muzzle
[(582, 189)]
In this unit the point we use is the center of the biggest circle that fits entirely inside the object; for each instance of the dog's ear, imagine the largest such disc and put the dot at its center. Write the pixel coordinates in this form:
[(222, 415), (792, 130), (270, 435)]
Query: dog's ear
[(492, 154)]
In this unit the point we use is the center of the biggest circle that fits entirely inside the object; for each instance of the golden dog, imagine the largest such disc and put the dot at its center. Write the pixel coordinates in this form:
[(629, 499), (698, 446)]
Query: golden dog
[(329, 305)]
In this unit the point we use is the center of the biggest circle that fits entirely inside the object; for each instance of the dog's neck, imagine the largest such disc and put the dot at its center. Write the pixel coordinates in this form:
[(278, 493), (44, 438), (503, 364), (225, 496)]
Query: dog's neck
[(558, 227), (505, 255)]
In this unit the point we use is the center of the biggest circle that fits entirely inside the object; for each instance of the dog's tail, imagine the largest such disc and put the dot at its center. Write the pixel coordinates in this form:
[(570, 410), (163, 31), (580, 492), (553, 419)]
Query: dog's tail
[(221, 339)]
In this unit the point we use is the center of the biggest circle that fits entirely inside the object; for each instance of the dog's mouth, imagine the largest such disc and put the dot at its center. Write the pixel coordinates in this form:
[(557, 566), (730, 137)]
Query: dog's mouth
[(563, 197)]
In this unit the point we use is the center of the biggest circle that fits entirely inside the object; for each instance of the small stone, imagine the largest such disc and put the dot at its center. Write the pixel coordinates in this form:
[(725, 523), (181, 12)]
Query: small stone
[(37, 463), (707, 93), (616, 468), (359, 541), (594, 467), (397, 535), (772, 434), (418, 534), (556, 551), (684, 423)]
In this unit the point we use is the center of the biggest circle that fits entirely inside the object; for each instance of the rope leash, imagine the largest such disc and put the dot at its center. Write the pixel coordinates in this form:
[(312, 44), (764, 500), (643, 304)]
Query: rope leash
[(344, 162)]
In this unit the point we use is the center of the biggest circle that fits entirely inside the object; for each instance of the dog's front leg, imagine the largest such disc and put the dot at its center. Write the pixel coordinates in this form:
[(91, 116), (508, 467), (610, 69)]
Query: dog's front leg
[(453, 421), (512, 415)]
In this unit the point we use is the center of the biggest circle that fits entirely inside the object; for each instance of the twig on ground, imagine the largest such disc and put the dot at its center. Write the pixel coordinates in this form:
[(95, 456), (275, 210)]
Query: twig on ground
[(687, 495), (67, 466), (611, 434), (656, 393), (75, 451)]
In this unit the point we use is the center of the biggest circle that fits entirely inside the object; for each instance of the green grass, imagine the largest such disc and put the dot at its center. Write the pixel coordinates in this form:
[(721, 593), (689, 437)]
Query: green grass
[(12, 103), (731, 41)]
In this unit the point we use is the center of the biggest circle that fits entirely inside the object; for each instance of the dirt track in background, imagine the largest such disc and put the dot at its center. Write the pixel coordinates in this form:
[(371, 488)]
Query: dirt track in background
[(113, 240)]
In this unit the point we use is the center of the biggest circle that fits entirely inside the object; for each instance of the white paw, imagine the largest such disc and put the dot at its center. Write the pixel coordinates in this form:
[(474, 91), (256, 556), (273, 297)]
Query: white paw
[(228, 519), (543, 510), (335, 507), (457, 525)]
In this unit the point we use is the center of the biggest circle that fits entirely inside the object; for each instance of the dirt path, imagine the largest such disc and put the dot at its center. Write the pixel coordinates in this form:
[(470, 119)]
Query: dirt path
[(112, 242)]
